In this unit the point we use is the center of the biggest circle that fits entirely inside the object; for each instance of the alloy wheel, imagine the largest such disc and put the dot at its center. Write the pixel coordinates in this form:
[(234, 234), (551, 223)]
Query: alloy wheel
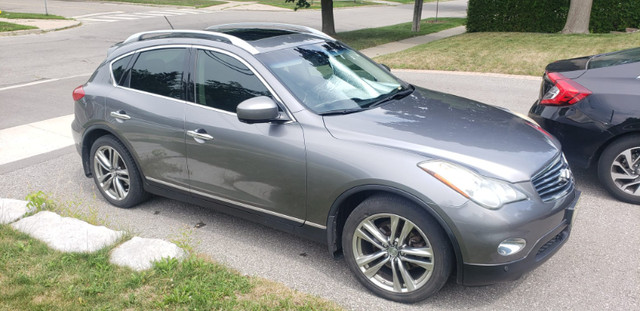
[(393, 253), (111, 173), (625, 171)]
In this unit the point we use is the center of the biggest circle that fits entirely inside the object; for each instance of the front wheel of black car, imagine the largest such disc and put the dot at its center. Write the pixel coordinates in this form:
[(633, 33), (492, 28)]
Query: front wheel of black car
[(115, 173), (619, 169), (396, 249)]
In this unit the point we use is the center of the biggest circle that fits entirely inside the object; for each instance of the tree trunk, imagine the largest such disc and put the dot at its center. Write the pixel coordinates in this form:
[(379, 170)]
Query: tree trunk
[(417, 15), (328, 25), (579, 16)]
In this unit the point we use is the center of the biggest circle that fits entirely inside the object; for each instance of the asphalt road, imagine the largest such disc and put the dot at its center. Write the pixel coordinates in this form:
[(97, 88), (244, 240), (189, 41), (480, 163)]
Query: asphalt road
[(598, 268)]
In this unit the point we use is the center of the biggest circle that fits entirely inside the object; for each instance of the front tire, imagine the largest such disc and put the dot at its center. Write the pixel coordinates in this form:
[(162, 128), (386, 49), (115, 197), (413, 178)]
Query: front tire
[(396, 249), (115, 173), (619, 169)]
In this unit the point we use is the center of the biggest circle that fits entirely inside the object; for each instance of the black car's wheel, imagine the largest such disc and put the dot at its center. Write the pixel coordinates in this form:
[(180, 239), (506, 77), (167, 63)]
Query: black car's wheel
[(396, 249), (115, 173), (619, 169)]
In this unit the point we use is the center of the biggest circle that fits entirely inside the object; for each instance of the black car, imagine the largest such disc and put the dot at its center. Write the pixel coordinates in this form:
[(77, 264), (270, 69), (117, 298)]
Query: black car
[(592, 105)]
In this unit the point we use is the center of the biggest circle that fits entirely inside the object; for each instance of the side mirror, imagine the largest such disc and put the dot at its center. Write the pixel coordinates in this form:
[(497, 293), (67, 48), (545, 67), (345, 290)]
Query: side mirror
[(259, 109)]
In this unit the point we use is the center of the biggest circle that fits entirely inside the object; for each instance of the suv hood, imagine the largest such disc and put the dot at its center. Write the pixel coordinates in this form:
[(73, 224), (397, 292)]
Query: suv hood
[(492, 141)]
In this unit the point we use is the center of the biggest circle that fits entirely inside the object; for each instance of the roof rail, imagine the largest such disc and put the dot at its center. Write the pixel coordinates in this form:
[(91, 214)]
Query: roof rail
[(214, 35), (295, 28)]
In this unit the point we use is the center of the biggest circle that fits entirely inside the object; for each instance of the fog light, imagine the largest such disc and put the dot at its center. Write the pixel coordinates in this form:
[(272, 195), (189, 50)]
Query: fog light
[(511, 246)]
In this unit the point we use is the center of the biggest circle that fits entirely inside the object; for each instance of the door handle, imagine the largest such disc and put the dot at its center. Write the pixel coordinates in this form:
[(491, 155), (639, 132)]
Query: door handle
[(200, 135), (120, 115)]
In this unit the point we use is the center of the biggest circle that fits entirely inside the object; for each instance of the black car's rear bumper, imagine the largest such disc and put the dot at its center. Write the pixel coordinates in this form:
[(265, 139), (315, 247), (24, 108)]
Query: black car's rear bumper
[(474, 274), (581, 135)]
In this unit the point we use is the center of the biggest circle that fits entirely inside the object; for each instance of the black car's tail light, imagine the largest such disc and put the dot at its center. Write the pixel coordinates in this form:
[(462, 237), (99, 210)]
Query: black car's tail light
[(564, 91), (78, 93)]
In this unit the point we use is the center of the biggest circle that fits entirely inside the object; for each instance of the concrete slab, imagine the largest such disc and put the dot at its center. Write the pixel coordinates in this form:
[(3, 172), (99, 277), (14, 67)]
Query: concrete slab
[(12, 210), (140, 253), (67, 234)]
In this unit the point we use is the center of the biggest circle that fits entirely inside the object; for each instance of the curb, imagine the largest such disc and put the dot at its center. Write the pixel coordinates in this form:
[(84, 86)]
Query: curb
[(471, 73)]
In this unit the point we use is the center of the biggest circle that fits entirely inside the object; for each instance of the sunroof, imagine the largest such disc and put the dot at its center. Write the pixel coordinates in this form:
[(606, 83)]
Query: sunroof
[(253, 34)]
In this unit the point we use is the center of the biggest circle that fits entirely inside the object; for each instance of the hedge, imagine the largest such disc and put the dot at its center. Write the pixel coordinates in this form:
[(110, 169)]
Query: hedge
[(614, 15), (548, 15)]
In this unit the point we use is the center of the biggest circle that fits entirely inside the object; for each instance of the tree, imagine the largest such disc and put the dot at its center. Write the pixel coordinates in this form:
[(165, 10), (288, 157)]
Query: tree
[(417, 15), (328, 25), (579, 16)]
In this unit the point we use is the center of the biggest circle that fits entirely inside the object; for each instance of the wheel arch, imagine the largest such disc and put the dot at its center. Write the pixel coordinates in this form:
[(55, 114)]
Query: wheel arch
[(350, 199), (596, 157), (90, 136)]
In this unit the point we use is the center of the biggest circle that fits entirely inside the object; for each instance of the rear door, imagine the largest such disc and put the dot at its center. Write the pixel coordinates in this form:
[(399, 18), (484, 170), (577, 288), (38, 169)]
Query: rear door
[(258, 166), (146, 108)]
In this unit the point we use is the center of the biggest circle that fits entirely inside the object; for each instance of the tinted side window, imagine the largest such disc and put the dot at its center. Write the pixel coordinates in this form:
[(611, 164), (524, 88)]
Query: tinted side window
[(159, 72), (118, 68), (223, 82)]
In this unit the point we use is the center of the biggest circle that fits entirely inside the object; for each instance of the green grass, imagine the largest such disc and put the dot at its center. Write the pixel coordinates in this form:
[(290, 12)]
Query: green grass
[(4, 26), (35, 277), (315, 4), (510, 53), (365, 38), (412, 1), (15, 15), (191, 3)]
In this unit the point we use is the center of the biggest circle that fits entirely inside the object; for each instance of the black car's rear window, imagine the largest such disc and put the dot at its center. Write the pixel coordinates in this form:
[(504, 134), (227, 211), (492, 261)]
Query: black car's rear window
[(615, 58)]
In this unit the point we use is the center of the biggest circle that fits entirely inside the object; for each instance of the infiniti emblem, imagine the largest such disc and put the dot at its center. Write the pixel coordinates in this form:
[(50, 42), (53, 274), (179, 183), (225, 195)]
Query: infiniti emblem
[(565, 176)]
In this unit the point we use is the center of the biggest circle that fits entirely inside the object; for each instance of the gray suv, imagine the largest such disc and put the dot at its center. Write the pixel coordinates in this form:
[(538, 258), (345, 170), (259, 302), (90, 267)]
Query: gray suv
[(288, 127)]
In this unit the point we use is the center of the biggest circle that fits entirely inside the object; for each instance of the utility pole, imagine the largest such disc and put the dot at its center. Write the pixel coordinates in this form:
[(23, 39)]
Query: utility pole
[(46, 11)]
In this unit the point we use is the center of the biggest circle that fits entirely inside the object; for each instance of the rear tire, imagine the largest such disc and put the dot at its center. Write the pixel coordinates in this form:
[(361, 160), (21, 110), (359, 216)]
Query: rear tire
[(619, 169), (115, 173), (396, 249)]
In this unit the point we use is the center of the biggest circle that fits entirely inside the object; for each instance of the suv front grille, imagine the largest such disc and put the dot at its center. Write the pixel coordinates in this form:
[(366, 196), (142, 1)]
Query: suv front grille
[(554, 181)]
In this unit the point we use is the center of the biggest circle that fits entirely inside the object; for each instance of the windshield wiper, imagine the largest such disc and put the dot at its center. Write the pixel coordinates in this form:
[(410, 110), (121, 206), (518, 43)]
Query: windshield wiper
[(340, 111), (397, 95)]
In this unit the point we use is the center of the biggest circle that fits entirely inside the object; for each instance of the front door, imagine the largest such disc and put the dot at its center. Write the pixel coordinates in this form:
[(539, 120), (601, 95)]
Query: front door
[(258, 166)]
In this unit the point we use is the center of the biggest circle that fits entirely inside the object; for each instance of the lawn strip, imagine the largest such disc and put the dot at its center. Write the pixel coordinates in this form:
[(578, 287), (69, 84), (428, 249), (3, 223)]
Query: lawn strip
[(190, 3), (509, 53), (18, 15), (35, 277), (4, 26), (315, 5), (365, 38)]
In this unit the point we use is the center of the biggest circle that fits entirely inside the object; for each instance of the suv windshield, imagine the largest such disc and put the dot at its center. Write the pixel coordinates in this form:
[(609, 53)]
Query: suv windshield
[(329, 77)]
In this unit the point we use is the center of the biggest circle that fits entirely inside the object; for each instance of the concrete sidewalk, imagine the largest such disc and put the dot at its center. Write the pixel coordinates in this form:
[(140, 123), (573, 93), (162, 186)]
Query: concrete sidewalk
[(402, 45)]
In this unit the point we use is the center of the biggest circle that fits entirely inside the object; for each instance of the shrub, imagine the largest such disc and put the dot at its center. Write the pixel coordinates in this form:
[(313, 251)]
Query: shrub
[(614, 15), (548, 15), (517, 15)]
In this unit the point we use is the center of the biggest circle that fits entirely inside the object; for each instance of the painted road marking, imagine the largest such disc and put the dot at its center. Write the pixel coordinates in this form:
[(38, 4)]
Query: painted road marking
[(28, 140)]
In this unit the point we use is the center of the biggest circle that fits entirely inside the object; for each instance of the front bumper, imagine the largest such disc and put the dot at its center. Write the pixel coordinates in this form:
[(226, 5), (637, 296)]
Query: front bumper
[(549, 244)]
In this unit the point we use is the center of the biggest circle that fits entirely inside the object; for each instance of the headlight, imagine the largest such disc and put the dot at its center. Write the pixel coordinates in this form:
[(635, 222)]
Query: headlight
[(489, 193)]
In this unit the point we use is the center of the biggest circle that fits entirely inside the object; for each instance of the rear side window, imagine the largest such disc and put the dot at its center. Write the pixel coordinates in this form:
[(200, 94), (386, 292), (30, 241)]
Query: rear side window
[(118, 68), (160, 72), (222, 82), (615, 58)]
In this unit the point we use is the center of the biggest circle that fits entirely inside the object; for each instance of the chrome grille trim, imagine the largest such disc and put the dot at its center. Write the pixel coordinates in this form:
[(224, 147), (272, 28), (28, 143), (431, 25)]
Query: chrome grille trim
[(551, 182)]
